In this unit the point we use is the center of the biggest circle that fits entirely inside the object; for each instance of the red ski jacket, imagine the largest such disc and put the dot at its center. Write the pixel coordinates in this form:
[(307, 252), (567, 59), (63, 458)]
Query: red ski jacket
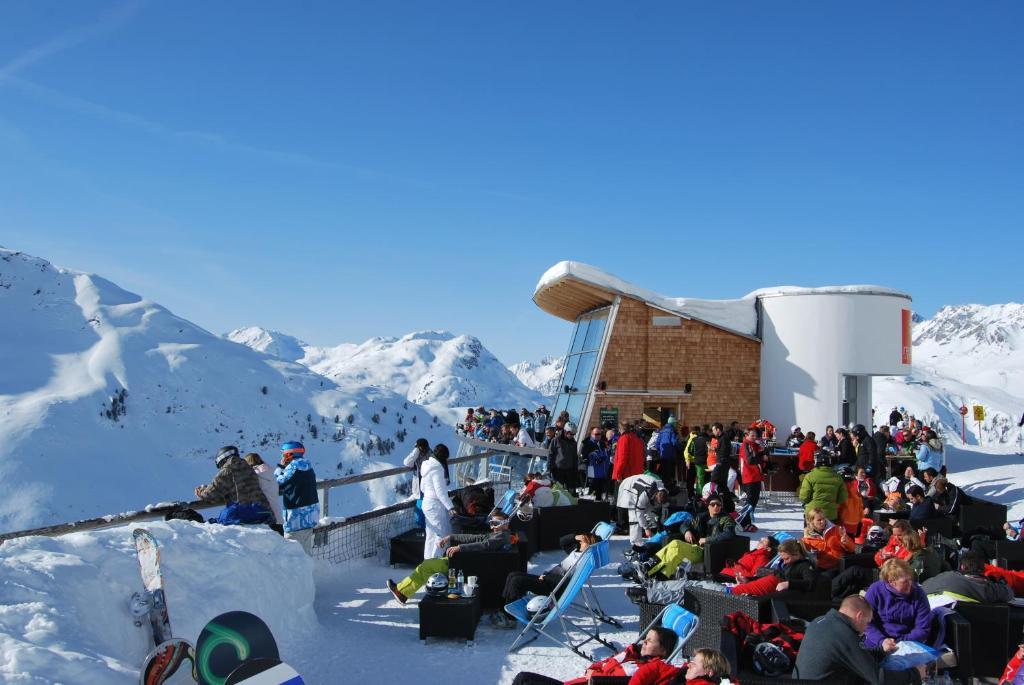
[(629, 456)]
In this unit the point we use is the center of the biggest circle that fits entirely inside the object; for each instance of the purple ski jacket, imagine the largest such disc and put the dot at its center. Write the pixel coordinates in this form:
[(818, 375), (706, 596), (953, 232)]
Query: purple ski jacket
[(901, 617)]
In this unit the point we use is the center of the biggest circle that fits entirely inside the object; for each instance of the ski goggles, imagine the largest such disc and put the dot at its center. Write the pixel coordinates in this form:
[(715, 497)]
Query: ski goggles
[(496, 521), (298, 452)]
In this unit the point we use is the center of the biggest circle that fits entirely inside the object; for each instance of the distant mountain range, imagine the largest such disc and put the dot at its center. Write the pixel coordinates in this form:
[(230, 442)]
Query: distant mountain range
[(438, 370), (109, 401)]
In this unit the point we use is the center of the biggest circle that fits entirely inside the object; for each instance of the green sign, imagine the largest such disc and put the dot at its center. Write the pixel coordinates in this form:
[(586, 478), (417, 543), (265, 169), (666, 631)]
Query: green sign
[(609, 415)]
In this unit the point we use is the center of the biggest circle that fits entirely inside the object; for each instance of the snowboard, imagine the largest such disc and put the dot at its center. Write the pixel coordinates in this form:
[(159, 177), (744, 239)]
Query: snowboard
[(228, 641), (153, 582), (166, 660), (264, 672)]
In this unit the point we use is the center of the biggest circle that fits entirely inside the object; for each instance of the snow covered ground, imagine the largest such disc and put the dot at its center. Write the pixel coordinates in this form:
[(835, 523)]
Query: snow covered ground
[(63, 614)]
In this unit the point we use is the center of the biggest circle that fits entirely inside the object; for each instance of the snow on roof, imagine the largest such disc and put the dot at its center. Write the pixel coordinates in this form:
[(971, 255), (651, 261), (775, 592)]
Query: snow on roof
[(738, 315)]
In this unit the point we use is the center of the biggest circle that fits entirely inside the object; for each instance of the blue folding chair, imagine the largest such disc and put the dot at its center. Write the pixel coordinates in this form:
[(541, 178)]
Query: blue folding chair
[(680, 621), (679, 517), (780, 537), (571, 606), (603, 530), (508, 502)]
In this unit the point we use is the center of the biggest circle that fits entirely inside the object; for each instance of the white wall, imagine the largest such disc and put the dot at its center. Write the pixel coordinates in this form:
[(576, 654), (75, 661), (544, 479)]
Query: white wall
[(810, 341)]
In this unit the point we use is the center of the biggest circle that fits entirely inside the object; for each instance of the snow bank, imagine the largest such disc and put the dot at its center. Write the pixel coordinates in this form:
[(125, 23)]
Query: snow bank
[(63, 601)]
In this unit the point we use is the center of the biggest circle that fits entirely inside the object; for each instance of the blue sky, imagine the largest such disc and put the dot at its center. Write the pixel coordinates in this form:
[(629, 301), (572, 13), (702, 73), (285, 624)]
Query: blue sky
[(339, 170)]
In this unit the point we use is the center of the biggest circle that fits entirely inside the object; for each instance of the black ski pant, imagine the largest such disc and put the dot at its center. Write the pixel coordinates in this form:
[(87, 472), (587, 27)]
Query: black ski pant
[(527, 678), (851, 581), (567, 477), (518, 583), (753, 492)]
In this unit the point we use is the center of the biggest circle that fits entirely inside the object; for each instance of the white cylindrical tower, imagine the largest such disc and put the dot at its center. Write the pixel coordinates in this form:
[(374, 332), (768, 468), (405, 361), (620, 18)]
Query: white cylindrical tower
[(820, 347)]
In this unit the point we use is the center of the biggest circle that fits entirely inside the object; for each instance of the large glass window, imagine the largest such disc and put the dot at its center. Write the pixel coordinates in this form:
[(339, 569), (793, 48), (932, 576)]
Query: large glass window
[(578, 376)]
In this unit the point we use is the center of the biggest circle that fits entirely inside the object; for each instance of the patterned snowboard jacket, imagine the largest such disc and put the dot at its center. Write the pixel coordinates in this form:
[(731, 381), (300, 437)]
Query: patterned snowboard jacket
[(235, 482)]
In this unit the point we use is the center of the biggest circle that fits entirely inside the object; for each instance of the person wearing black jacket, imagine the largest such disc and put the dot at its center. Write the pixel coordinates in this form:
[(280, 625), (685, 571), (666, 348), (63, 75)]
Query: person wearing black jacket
[(710, 526), (895, 416), (563, 457), (723, 459), (846, 454)]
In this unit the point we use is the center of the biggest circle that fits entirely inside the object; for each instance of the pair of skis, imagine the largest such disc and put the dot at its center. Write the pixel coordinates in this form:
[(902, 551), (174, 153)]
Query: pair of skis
[(235, 648)]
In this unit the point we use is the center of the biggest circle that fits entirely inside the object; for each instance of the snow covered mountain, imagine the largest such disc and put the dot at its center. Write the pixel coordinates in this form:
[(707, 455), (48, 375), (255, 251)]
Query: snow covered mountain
[(965, 355), (436, 369), (542, 376), (108, 401)]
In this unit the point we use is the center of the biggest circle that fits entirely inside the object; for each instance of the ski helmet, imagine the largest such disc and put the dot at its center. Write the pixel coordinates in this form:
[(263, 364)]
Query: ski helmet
[(224, 454), (822, 458), (538, 605), (570, 427), (876, 536), (293, 447), (525, 511), (437, 585), (769, 660)]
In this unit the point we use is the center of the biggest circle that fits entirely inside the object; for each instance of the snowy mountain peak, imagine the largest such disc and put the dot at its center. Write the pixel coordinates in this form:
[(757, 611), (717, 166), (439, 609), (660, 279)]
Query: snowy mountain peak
[(975, 328), (430, 336), (541, 376), (270, 342), (438, 369)]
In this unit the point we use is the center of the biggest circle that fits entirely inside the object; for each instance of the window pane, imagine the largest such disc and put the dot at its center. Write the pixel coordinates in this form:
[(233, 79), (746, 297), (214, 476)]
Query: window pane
[(581, 334), (595, 332), (559, 406), (584, 372), (575, 408), (570, 372)]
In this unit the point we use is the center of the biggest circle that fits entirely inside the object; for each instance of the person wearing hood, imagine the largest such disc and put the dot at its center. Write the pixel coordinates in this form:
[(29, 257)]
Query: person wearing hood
[(297, 481), (238, 487), (930, 454), (438, 507), (900, 605)]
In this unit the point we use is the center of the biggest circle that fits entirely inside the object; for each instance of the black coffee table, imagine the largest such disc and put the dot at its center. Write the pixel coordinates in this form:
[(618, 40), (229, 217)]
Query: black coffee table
[(444, 617)]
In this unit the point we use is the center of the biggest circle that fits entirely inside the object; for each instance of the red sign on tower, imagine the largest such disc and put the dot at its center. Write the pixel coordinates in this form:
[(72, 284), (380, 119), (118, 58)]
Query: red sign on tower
[(907, 341)]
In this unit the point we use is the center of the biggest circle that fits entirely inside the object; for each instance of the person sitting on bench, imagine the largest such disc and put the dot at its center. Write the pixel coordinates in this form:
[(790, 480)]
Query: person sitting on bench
[(499, 539)]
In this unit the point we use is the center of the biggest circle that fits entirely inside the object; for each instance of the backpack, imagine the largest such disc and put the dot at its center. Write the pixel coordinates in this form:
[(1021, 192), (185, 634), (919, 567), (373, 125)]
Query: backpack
[(750, 633)]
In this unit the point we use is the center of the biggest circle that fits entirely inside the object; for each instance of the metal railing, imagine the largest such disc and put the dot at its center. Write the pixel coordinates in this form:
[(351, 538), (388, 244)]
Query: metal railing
[(475, 462)]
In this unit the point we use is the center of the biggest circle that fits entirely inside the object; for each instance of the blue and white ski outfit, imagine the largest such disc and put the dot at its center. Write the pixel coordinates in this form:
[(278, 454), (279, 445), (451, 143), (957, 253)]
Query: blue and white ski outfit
[(301, 504)]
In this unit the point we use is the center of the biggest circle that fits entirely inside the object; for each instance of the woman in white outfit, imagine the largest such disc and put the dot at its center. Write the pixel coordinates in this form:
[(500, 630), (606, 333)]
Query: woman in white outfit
[(437, 505)]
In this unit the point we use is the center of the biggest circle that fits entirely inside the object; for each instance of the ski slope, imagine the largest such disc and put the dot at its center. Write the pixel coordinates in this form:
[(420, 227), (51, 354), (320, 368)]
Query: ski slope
[(333, 623)]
